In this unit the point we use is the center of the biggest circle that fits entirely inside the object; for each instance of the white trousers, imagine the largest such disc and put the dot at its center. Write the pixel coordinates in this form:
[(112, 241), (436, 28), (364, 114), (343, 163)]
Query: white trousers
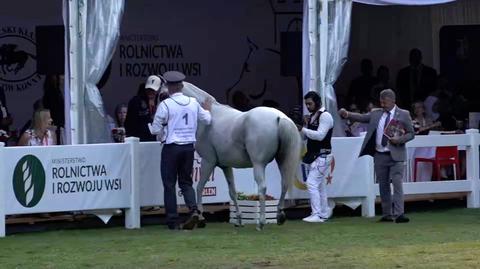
[(317, 185)]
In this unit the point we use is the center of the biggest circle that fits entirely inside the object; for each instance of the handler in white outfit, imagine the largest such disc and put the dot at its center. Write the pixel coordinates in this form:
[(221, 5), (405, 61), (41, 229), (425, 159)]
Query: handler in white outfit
[(318, 132)]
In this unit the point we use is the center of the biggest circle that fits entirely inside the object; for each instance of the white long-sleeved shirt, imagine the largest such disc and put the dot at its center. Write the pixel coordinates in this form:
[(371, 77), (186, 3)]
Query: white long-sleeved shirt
[(178, 114), (325, 123)]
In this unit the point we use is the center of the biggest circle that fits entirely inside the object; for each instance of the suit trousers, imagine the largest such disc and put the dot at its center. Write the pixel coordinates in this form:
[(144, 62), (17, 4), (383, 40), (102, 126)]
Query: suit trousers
[(389, 171), (177, 162)]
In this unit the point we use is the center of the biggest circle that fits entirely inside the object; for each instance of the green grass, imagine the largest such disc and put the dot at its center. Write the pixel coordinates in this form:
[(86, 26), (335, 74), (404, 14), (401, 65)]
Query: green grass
[(440, 239)]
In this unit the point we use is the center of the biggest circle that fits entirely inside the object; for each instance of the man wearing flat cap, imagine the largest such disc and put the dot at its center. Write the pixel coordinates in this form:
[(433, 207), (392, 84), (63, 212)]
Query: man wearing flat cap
[(176, 119)]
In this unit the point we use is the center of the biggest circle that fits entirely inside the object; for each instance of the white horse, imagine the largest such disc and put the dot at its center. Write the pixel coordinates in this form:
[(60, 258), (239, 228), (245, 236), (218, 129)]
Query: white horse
[(237, 139)]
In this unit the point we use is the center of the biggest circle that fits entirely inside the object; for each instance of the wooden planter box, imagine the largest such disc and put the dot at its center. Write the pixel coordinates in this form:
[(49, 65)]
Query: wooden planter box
[(251, 211)]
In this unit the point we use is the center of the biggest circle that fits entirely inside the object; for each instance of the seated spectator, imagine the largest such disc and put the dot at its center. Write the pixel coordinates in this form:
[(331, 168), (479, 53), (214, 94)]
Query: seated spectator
[(5, 117), (40, 133), (433, 97), (118, 130), (422, 124), (371, 105), (446, 118), (355, 128)]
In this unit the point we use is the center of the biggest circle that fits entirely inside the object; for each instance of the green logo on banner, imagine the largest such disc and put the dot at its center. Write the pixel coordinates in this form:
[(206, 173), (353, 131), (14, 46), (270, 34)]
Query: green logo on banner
[(29, 181)]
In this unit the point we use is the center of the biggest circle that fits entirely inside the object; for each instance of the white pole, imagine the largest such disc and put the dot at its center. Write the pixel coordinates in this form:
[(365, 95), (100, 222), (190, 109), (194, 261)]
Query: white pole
[(3, 200), (323, 48), (77, 24), (313, 40), (473, 173), (132, 214), (368, 203)]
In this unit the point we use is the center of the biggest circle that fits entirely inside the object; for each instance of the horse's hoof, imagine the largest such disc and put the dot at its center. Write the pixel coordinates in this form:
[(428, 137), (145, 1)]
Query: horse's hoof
[(260, 227), (281, 218), (239, 226), (201, 223)]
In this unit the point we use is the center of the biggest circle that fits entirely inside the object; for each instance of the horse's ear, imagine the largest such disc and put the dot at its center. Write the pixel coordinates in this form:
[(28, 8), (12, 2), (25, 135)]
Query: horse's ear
[(163, 81)]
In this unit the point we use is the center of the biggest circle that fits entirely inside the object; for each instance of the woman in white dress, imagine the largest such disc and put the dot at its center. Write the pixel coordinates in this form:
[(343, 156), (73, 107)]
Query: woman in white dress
[(40, 133)]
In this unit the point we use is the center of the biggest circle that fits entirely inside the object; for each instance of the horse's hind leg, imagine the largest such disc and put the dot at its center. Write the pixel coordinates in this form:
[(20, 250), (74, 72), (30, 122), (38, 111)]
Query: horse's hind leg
[(287, 172), (228, 171), (206, 170), (259, 174), (281, 203)]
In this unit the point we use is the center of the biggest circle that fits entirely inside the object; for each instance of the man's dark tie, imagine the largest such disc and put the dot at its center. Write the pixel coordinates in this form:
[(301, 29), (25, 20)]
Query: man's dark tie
[(385, 138)]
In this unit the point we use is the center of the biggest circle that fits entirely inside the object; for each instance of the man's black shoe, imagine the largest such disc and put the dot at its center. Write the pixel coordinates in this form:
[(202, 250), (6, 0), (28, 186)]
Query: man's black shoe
[(386, 219), (191, 222), (202, 223), (402, 219)]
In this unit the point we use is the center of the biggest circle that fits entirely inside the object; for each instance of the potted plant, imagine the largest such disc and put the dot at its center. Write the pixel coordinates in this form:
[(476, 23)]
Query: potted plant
[(249, 206)]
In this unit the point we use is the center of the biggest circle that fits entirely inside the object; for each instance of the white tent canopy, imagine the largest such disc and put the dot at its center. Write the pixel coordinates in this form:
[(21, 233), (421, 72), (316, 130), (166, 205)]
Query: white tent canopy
[(325, 45), (324, 53), (403, 2)]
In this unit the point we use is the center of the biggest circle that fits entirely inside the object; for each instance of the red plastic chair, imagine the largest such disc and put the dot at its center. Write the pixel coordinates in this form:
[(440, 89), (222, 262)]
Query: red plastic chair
[(444, 156)]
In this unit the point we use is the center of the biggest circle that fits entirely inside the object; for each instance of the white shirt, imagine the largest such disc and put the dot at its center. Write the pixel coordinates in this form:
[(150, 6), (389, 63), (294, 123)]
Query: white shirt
[(325, 123), (380, 128), (428, 103), (179, 115)]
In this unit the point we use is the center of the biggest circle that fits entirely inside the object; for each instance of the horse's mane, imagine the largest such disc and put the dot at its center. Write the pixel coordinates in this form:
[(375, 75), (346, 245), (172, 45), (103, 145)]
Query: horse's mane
[(193, 91)]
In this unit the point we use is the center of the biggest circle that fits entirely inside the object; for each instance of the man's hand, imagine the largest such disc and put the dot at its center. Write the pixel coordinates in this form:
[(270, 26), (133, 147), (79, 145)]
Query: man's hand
[(306, 119), (343, 113), (207, 104), (395, 140)]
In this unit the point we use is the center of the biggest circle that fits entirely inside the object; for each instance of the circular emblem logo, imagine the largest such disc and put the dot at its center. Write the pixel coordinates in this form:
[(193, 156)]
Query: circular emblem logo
[(17, 59), (29, 181)]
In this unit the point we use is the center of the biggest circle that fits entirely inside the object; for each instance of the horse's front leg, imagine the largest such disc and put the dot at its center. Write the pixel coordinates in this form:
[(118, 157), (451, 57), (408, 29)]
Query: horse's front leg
[(228, 172), (206, 170), (259, 174)]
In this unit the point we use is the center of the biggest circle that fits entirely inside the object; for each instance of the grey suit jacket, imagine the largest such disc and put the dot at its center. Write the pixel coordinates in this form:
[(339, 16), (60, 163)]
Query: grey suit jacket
[(398, 152)]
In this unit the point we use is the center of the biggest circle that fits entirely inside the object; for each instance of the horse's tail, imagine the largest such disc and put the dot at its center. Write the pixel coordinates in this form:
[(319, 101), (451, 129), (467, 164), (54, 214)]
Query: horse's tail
[(290, 146)]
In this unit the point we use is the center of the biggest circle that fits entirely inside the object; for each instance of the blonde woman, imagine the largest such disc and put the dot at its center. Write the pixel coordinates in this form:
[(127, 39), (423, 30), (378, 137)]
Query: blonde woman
[(41, 132)]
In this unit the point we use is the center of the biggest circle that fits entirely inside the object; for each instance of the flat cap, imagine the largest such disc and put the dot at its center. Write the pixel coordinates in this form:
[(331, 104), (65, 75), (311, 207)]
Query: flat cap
[(173, 77)]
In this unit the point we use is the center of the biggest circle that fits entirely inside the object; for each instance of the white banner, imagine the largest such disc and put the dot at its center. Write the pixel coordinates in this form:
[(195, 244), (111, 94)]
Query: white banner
[(351, 176), (66, 178)]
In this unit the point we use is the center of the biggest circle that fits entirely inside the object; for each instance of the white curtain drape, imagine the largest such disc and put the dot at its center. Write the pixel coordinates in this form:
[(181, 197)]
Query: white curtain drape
[(102, 34), (403, 2), (339, 18), (306, 47)]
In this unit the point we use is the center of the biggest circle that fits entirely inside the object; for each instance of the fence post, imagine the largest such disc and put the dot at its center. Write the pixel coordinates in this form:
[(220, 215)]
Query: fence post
[(2, 190), (473, 166), (132, 214), (368, 203)]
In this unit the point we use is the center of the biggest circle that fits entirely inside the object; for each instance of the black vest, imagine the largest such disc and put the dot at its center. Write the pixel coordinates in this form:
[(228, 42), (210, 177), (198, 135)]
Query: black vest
[(314, 146)]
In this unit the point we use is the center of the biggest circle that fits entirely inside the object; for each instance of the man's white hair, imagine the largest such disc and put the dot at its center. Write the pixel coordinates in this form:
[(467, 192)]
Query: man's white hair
[(388, 93)]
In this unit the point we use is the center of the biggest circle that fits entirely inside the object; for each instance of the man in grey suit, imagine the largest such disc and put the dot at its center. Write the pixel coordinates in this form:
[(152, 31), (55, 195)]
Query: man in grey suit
[(388, 152)]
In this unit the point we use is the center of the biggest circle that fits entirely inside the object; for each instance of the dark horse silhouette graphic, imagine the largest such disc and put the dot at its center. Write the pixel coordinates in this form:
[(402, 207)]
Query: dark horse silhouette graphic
[(12, 60)]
